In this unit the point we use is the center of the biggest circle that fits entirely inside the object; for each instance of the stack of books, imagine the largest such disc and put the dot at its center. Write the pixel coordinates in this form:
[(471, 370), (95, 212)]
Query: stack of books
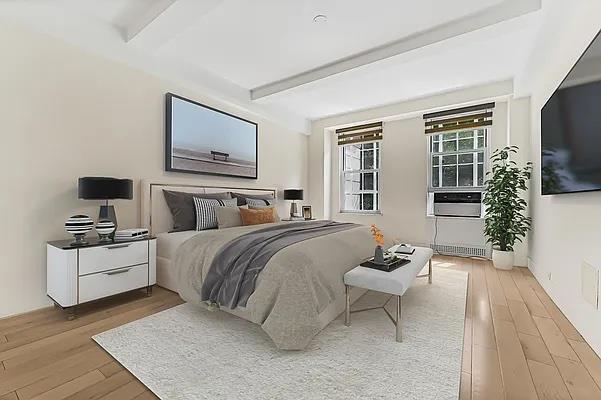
[(134, 233)]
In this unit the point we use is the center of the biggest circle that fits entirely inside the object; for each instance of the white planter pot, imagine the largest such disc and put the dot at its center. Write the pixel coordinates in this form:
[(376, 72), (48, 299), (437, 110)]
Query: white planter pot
[(502, 259)]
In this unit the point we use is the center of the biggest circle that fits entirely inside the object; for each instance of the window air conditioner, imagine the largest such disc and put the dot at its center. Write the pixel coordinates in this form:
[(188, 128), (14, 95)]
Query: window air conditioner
[(458, 204)]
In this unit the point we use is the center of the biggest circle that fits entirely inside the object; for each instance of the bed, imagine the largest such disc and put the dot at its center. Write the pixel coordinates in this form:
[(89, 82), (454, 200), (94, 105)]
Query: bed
[(299, 291)]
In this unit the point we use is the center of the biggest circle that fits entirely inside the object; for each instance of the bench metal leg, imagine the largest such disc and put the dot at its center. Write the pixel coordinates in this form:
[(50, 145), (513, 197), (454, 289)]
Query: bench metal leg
[(347, 311), (430, 271), (399, 318)]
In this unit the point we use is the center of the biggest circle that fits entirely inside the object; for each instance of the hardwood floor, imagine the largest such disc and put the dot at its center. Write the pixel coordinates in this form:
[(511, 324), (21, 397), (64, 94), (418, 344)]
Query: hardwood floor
[(517, 345)]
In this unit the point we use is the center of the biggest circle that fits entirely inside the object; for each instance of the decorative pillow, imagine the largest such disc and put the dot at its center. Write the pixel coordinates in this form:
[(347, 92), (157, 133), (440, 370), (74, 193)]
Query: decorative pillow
[(259, 202), (206, 216), (242, 197), (256, 217), (276, 216), (183, 210), (228, 217)]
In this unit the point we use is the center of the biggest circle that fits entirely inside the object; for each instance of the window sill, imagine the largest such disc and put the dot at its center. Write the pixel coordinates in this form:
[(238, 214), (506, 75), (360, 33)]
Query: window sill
[(360, 212), (432, 216)]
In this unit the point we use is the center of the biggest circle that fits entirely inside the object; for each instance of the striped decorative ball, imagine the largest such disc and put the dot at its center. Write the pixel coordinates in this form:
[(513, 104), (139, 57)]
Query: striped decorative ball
[(105, 227), (79, 225)]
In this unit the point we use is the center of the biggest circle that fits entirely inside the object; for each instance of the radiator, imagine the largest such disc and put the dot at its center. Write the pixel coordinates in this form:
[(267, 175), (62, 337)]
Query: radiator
[(455, 250)]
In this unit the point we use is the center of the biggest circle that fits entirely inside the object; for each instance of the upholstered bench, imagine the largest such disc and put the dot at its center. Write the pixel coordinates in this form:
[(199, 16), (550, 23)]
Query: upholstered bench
[(395, 283)]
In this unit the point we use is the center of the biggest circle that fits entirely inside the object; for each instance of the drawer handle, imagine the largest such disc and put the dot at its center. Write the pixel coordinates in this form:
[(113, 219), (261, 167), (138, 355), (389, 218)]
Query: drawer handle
[(121, 246), (121, 271)]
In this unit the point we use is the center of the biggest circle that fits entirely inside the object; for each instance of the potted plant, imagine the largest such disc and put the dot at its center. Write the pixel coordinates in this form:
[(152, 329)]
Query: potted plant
[(505, 222), (379, 239)]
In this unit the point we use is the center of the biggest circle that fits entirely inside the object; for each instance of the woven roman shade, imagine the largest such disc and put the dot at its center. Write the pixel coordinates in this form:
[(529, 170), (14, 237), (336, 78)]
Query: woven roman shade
[(359, 134), (471, 117)]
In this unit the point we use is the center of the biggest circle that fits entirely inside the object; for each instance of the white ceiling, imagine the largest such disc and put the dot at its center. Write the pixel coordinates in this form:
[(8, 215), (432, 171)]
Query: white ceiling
[(253, 43), (238, 46)]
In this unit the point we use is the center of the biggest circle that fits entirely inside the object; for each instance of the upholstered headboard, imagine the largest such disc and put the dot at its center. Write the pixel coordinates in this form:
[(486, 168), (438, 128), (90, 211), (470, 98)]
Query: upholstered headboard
[(155, 212)]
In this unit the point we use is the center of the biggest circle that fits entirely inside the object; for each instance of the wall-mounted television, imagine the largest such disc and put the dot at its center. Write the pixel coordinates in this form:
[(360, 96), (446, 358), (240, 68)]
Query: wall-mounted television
[(203, 140), (571, 129)]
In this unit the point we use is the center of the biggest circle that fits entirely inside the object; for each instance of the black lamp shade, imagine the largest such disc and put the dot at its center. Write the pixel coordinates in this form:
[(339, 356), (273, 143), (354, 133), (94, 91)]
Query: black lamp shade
[(100, 188), (293, 194)]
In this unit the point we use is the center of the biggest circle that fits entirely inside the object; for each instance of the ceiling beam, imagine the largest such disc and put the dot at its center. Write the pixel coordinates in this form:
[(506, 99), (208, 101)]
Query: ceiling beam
[(503, 11), (136, 26), (164, 20)]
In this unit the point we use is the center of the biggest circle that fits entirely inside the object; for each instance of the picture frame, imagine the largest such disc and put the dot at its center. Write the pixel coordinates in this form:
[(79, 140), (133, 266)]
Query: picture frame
[(307, 213), (200, 139)]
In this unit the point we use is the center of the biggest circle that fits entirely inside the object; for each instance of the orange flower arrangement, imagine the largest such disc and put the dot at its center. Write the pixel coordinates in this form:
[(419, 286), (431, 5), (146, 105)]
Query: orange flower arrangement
[(377, 234)]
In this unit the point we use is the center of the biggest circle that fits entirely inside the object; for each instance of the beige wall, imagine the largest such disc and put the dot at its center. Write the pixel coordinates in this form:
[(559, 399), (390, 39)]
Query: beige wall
[(404, 170), (66, 113), (566, 227)]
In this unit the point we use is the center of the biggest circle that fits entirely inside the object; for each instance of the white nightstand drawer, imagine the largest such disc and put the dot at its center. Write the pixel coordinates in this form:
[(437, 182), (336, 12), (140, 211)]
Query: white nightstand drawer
[(108, 283), (96, 259)]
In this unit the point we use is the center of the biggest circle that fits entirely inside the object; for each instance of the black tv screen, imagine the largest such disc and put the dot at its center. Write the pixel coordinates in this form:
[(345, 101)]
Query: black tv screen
[(571, 129)]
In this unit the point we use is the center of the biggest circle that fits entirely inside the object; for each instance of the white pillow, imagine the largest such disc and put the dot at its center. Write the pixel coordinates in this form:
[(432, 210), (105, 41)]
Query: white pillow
[(206, 217)]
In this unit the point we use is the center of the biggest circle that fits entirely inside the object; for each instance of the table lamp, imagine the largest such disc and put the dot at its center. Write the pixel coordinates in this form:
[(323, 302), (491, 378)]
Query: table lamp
[(293, 194), (102, 188)]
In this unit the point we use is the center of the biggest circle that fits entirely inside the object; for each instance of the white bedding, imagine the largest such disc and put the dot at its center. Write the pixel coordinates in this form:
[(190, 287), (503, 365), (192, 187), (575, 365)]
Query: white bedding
[(168, 243)]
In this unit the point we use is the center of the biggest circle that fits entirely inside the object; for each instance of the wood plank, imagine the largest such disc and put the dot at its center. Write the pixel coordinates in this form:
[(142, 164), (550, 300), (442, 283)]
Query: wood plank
[(509, 288), (580, 384), (28, 335), (481, 315), (147, 395), (522, 318), (548, 382), (71, 387), (111, 369), (33, 382), (487, 383), (501, 313), (9, 396), (530, 298), (589, 359), (465, 387), (49, 355), (466, 361), (535, 349), (554, 339), (103, 387), (13, 380), (514, 368), (560, 319), (128, 391), (495, 290), (90, 329)]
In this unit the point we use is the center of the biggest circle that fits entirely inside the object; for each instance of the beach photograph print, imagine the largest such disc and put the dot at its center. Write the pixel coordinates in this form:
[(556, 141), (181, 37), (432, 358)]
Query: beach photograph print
[(203, 140)]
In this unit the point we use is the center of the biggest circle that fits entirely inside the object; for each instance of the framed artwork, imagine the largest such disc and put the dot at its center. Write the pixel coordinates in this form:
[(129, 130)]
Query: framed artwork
[(203, 140), (307, 213)]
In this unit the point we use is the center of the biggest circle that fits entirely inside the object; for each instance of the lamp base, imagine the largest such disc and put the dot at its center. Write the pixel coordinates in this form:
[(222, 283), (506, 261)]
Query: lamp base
[(108, 212), (293, 209)]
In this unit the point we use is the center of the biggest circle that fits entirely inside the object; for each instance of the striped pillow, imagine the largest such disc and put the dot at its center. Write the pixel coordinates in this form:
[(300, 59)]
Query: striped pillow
[(260, 202), (206, 217)]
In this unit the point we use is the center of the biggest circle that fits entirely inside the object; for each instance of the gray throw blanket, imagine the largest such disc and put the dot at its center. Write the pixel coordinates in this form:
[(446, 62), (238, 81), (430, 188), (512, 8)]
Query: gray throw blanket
[(231, 278)]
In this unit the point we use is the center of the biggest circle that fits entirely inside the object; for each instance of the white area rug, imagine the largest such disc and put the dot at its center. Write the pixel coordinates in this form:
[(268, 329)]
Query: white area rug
[(191, 353)]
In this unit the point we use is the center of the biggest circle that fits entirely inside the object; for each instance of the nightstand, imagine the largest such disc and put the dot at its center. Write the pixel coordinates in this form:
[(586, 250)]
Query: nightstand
[(79, 274)]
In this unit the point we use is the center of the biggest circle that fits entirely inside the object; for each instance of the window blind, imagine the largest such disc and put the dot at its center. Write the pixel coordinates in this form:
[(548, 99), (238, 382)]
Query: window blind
[(359, 134), (471, 117)]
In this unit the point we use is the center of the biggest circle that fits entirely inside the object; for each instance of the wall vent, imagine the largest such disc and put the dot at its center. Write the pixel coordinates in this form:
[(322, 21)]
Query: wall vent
[(454, 250)]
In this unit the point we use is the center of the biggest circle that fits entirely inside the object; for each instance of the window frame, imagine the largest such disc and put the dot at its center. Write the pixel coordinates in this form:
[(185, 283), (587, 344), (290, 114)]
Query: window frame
[(485, 163), (341, 175)]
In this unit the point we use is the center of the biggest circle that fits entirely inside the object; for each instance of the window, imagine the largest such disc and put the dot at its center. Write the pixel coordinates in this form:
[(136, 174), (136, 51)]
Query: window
[(457, 159), (360, 177)]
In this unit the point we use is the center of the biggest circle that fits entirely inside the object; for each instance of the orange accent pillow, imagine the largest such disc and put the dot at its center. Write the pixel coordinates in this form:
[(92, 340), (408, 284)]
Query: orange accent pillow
[(256, 217)]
